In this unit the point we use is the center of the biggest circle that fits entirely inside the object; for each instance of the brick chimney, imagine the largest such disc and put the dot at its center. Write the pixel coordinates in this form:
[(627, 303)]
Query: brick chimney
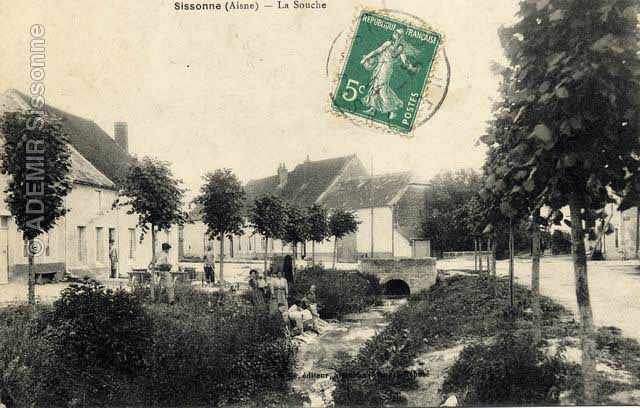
[(283, 173), (121, 134)]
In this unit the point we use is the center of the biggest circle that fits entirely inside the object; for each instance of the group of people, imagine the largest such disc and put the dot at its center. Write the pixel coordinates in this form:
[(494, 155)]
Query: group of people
[(269, 290), (273, 292)]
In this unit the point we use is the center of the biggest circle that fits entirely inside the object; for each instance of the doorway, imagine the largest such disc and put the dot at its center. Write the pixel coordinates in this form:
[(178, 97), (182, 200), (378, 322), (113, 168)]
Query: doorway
[(112, 238)]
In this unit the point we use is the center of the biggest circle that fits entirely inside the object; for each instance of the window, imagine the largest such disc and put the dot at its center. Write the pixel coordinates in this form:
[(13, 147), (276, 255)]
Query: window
[(99, 201), (25, 248), (617, 238), (82, 244), (4, 222), (132, 243), (239, 243), (99, 245), (249, 243), (273, 245)]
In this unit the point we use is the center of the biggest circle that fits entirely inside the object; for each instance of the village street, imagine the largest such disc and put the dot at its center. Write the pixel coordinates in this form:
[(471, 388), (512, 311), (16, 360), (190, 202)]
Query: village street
[(614, 287)]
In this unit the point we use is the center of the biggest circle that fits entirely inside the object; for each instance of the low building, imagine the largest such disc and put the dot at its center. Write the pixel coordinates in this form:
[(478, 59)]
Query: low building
[(392, 231), (79, 243)]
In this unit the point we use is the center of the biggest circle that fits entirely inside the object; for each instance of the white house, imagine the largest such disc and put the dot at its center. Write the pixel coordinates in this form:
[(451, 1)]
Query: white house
[(342, 182), (79, 243)]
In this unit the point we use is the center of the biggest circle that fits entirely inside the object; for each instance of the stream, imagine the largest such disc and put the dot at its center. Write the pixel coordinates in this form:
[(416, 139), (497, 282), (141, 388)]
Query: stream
[(319, 353)]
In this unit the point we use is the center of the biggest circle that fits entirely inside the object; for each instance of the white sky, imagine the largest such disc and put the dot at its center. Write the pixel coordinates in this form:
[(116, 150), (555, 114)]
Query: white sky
[(246, 90)]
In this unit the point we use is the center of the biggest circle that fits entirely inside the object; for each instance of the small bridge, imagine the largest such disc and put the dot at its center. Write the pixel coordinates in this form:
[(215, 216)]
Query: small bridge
[(401, 275)]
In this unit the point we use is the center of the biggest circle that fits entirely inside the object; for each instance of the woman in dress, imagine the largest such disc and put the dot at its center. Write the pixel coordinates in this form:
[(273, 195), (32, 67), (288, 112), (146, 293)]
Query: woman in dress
[(257, 297), (279, 292), (380, 98)]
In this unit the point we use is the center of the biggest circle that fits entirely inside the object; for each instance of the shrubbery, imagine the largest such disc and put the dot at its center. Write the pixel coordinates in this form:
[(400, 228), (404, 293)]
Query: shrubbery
[(101, 347), (513, 370), (338, 292), (461, 307)]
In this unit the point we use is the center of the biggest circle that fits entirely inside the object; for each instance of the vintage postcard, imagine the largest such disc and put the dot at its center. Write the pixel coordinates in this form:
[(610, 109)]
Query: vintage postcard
[(319, 203)]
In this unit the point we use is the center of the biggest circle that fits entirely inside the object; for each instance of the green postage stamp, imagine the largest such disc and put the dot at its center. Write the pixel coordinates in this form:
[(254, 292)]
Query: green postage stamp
[(386, 71)]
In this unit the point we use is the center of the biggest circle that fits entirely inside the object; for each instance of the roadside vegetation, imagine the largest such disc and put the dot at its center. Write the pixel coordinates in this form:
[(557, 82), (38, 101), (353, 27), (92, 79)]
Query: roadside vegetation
[(500, 362), (91, 348), (339, 292)]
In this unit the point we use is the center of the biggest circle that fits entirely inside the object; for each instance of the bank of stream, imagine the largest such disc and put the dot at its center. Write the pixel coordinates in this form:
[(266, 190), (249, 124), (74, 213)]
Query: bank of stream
[(319, 353)]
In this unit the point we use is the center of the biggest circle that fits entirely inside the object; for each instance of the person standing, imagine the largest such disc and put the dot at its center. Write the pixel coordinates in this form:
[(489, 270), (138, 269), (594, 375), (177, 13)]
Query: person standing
[(209, 265), (113, 258), (163, 266), (279, 292), (257, 297)]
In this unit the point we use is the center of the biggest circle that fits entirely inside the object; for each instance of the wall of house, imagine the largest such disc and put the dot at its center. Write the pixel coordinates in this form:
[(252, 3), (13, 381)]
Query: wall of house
[(382, 232), (87, 252), (401, 246), (621, 243)]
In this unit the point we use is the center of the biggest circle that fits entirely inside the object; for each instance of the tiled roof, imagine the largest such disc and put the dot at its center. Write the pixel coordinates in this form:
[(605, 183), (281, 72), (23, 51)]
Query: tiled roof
[(82, 170), (371, 191), (304, 184), (89, 140)]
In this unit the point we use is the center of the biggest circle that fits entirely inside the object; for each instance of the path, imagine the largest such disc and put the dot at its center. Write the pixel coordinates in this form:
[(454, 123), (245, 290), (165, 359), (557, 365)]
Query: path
[(614, 287), (318, 354)]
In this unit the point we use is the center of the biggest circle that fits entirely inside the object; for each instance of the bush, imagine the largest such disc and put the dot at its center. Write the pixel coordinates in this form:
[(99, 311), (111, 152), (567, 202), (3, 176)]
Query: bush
[(225, 356), (560, 242), (511, 371), (460, 307), (99, 337), (338, 292), (23, 351), (100, 347)]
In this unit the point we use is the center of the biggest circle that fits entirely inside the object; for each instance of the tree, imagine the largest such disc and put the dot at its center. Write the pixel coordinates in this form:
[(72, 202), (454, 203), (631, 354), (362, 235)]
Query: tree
[(445, 213), (318, 227), (150, 191), (296, 229), (36, 157), (268, 217), (222, 201), (575, 103), (341, 223)]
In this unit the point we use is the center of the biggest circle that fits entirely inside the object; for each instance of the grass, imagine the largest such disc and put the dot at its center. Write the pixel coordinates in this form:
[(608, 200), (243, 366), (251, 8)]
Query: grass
[(467, 310)]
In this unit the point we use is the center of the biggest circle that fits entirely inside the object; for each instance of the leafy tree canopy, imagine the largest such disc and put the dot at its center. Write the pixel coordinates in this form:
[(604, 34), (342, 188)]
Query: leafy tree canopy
[(151, 192), (222, 201), (36, 156), (318, 223), (268, 216), (342, 222), (297, 226)]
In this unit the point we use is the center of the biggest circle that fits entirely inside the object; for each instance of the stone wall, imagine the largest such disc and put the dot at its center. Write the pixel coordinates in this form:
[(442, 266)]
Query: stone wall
[(418, 273)]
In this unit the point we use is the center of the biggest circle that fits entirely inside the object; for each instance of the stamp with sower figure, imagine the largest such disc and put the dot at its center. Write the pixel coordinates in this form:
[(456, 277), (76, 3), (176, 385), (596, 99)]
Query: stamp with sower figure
[(386, 71)]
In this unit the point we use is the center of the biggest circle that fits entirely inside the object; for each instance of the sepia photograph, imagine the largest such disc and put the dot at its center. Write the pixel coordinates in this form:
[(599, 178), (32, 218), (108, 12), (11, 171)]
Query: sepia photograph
[(338, 203)]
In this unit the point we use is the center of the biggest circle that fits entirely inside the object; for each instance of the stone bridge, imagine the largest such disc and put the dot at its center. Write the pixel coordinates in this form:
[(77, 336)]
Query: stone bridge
[(402, 274)]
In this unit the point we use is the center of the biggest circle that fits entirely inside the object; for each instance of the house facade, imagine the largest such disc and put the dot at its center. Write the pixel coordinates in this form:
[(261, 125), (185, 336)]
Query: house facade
[(388, 207), (79, 243)]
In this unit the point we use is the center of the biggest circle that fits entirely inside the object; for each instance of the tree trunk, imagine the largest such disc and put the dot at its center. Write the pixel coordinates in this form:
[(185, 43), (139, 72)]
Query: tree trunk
[(152, 281), (493, 258), (535, 283), (480, 265), (584, 303), (32, 274), (266, 252), (488, 257), (511, 272), (313, 253), (335, 250), (475, 255), (294, 250), (221, 280)]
